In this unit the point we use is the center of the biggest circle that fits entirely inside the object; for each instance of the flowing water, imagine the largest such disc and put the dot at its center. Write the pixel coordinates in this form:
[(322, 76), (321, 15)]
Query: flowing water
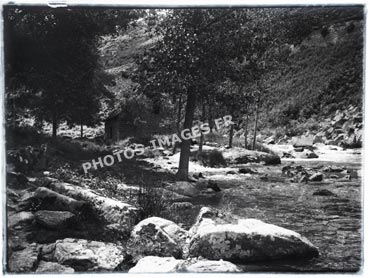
[(332, 223)]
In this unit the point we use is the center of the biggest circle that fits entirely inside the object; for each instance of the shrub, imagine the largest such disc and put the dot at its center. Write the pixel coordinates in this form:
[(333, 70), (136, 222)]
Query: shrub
[(150, 201)]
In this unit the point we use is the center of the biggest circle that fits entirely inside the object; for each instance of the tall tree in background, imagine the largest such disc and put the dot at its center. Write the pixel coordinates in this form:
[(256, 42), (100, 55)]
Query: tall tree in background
[(51, 56)]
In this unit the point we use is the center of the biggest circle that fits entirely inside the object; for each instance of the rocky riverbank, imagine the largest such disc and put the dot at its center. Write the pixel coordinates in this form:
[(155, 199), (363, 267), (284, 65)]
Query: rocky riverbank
[(261, 212), (60, 208)]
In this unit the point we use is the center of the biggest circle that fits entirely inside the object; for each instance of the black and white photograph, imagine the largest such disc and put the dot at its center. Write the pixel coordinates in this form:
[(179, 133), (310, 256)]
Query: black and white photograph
[(190, 139)]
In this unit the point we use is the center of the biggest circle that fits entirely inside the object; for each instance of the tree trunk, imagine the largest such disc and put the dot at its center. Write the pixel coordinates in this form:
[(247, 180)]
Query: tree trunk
[(178, 124), (231, 135), (183, 172), (201, 139), (210, 120), (55, 127), (246, 123), (246, 131), (255, 128), (82, 131)]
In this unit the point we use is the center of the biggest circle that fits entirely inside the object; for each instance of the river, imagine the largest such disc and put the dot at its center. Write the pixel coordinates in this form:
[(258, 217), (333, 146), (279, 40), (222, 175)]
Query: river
[(332, 223)]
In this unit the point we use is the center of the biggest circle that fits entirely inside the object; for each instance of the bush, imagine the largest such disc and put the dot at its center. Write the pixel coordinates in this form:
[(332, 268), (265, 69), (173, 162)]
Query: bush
[(150, 201)]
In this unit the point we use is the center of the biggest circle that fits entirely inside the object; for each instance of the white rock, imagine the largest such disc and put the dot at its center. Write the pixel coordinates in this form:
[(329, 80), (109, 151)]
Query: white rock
[(157, 236), (247, 240), (19, 218), (84, 255), (241, 156), (113, 211), (153, 264)]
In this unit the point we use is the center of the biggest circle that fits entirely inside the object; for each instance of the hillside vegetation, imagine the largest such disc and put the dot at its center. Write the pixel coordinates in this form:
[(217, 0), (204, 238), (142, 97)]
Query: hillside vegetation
[(323, 74)]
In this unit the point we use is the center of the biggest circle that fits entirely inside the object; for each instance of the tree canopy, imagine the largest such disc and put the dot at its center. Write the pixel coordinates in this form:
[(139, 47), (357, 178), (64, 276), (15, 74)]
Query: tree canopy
[(52, 64)]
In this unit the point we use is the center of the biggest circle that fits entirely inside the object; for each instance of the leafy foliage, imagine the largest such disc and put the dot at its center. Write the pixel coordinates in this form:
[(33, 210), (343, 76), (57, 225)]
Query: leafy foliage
[(52, 67)]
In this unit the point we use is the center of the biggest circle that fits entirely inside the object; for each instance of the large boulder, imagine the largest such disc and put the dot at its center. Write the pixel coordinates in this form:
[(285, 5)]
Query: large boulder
[(246, 240), (270, 159), (210, 157), (19, 218), (157, 236), (84, 255), (241, 156), (121, 214), (51, 267), (47, 199), (152, 264), (55, 219), (25, 260)]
